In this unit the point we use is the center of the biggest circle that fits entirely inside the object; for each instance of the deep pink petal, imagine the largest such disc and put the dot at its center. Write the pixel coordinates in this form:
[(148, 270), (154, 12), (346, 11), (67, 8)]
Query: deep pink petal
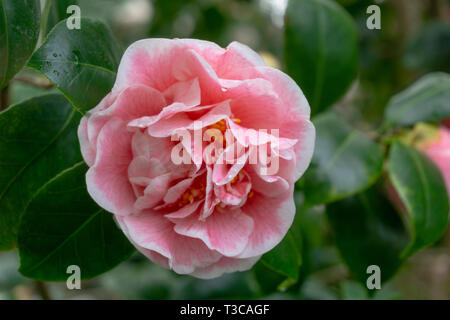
[(88, 150), (191, 65), (234, 193), (184, 211), (133, 102), (144, 145), (177, 190), (210, 200), (210, 51), (187, 93), (148, 62), (294, 101), (143, 167), (238, 56), (255, 103), (304, 148), (153, 193), (270, 186), (88, 132), (223, 173)]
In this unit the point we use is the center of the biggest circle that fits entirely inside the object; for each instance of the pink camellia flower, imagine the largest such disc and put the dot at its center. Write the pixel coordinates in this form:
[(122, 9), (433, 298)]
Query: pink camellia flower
[(434, 142), (447, 123), (218, 212)]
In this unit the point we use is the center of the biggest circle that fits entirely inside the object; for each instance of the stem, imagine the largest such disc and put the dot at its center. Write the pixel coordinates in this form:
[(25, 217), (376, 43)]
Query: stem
[(4, 98), (42, 289), (41, 83), (44, 20)]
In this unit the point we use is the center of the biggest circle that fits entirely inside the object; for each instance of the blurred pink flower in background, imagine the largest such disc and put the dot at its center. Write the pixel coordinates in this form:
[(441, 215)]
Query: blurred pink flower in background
[(434, 142), (447, 123), (201, 219), (438, 150)]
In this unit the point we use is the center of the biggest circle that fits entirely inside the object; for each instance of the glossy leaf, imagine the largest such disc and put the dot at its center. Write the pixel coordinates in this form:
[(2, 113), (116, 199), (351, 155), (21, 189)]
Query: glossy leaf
[(19, 32), (320, 50), (368, 231), (81, 63), (38, 139), (286, 257), (427, 100), (317, 251), (420, 186), (268, 279), (20, 91), (344, 162), (63, 226), (429, 49)]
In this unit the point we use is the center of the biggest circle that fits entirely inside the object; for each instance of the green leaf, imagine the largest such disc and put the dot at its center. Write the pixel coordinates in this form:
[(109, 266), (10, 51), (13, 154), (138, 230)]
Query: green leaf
[(428, 49), (38, 139), (20, 91), (344, 162), (427, 100), (81, 63), (19, 32), (368, 231), (286, 257), (421, 187), (317, 251), (320, 50), (63, 226), (55, 11), (268, 280)]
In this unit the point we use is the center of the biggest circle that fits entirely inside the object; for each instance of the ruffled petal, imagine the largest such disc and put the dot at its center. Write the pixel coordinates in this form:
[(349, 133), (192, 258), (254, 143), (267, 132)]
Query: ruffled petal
[(153, 232), (225, 231), (272, 221), (107, 180), (225, 265)]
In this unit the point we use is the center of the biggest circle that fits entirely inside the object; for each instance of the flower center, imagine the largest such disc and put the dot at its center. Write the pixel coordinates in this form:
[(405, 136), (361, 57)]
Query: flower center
[(222, 127), (192, 194)]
